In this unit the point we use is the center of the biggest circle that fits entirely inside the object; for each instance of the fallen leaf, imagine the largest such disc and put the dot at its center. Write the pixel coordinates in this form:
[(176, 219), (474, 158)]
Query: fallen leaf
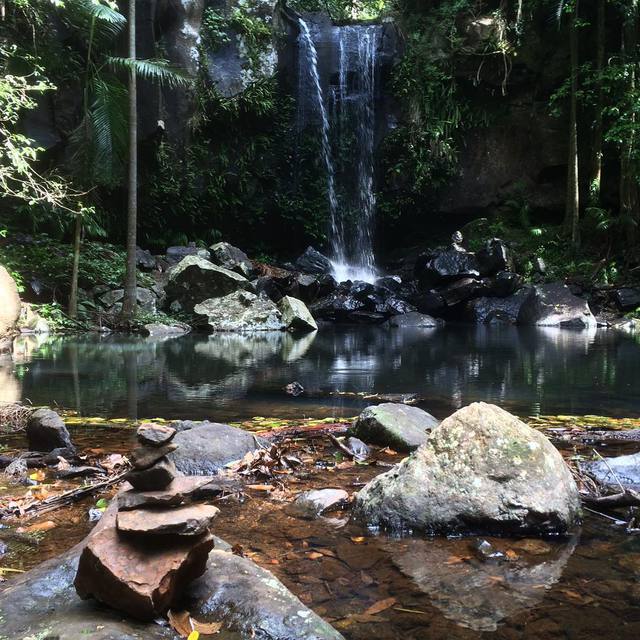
[(206, 628), (314, 555), (379, 606), (181, 622), (261, 487), (358, 539)]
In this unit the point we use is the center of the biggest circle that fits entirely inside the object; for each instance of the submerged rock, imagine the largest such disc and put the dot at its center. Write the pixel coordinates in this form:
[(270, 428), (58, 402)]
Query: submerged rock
[(241, 311), (414, 319), (398, 426), (207, 447), (46, 431), (311, 504), (482, 469), (312, 261), (195, 279), (295, 315), (553, 305)]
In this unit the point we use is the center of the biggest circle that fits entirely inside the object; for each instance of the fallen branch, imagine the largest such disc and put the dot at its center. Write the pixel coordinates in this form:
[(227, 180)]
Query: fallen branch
[(344, 448)]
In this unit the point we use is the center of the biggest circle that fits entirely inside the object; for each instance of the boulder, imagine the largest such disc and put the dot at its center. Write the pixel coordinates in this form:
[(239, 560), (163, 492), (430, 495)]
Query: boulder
[(155, 435), (158, 330), (414, 319), (390, 283), (180, 491), (144, 260), (175, 255), (462, 290), (482, 469), (142, 577), (493, 257), (553, 305), (337, 307), (241, 311), (311, 504), (398, 426), (445, 265), (610, 471), (430, 302), (312, 261), (309, 287), (195, 279), (497, 310), (503, 284), (9, 302), (232, 258), (207, 447), (189, 520), (627, 298), (157, 477), (112, 300), (46, 431), (295, 315)]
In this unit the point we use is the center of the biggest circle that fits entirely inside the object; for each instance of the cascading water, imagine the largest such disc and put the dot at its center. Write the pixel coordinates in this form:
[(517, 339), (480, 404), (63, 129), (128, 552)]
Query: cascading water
[(347, 140)]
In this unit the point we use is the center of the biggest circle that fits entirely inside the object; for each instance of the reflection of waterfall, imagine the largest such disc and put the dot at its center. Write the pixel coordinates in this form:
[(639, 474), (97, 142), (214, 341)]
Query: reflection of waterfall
[(347, 141)]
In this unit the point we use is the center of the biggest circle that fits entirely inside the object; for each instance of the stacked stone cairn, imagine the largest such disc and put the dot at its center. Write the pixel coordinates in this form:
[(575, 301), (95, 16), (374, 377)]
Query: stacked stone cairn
[(155, 540)]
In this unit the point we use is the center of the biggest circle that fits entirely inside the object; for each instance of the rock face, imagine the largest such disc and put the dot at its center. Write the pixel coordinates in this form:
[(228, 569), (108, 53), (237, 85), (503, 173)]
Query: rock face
[(295, 315), (232, 258), (190, 520), (398, 426), (482, 469), (241, 311), (9, 302), (553, 305), (312, 261), (207, 447), (414, 319), (46, 431), (140, 578), (195, 279)]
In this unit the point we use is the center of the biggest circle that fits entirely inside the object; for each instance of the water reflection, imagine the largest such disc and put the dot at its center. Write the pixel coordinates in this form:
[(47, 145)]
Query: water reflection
[(234, 376), (479, 594)]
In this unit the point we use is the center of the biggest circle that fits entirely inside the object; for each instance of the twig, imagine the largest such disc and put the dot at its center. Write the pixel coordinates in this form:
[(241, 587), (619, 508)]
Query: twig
[(604, 515), (343, 447), (611, 471)]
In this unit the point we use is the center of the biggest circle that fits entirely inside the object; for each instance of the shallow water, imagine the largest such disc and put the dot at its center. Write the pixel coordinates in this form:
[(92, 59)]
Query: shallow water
[(231, 377)]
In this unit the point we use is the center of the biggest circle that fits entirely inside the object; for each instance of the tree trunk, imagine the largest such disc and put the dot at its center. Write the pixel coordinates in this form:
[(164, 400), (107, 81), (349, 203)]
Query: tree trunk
[(596, 157), (77, 240), (130, 291), (572, 211)]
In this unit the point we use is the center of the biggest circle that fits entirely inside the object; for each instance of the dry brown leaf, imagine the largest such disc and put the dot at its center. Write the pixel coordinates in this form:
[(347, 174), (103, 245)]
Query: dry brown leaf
[(314, 555), (206, 628), (181, 622), (47, 525), (261, 487), (379, 606)]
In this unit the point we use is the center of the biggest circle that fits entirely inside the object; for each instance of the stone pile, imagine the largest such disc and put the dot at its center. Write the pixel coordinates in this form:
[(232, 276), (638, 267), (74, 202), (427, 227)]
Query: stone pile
[(155, 540)]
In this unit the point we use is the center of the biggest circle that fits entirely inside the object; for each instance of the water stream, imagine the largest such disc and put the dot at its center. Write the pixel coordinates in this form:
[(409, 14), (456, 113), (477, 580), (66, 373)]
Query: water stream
[(346, 115)]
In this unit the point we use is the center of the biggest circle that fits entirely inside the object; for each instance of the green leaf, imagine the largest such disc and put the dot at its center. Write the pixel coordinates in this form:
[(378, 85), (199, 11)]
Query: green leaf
[(156, 70), (102, 503)]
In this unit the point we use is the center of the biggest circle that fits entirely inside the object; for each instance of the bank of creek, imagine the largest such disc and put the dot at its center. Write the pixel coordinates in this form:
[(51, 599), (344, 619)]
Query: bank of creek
[(366, 583)]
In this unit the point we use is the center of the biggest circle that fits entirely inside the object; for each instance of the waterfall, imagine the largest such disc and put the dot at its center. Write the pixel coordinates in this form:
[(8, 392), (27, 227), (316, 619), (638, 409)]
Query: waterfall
[(347, 140)]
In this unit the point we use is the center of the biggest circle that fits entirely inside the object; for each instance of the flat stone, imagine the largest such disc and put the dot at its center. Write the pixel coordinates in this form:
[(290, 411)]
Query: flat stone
[(179, 491), (311, 504), (190, 520), (141, 578), (156, 478), (155, 435), (145, 457)]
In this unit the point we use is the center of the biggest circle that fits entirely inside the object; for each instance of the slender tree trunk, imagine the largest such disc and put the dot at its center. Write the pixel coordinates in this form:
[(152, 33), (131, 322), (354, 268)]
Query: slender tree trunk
[(572, 211), (130, 291), (596, 158), (77, 240)]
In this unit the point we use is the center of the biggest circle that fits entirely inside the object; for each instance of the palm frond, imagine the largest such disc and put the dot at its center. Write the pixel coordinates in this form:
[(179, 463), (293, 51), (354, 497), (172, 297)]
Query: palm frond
[(108, 22), (159, 71)]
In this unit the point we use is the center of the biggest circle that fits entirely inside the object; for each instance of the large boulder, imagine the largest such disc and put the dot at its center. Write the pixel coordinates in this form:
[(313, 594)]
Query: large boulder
[(309, 287), (206, 447), (241, 311), (487, 310), (444, 265), (398, 426), (482, 469), (627, 298), (46, 431), (493, 257), (175, 255), (295, 315), (312, 261), (112, 300), (232, 258), (553, 305), (9, 302), (195, 279)]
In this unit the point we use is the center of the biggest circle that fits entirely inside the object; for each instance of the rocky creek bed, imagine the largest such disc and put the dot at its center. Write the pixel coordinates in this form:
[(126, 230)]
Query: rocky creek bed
[(364, 584)]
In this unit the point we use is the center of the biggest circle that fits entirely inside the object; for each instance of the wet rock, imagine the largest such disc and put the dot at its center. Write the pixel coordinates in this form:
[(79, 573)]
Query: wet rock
[(155, 435), (493, 257), (9, 302), (390, 283), (180, 491), (485, 551), (157, 477), (158, 330), (503, 284), (310, 287), (312, 261), (337, 307), (462, 290), (190, 520), (358, 447), (207, 447), (294, 389), (398, 426), (482, 469), (174, 255), (195, 279), (312, 504), (430, 302), (295, 315), (444, 265), (232, 258), (46, 431), (144, 457), (247, 598), (394, 305), (241, 311), (625, 469), (627, 298), (144, 260), (553, 305), (414, 319), (497, 310), (141, 578)]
